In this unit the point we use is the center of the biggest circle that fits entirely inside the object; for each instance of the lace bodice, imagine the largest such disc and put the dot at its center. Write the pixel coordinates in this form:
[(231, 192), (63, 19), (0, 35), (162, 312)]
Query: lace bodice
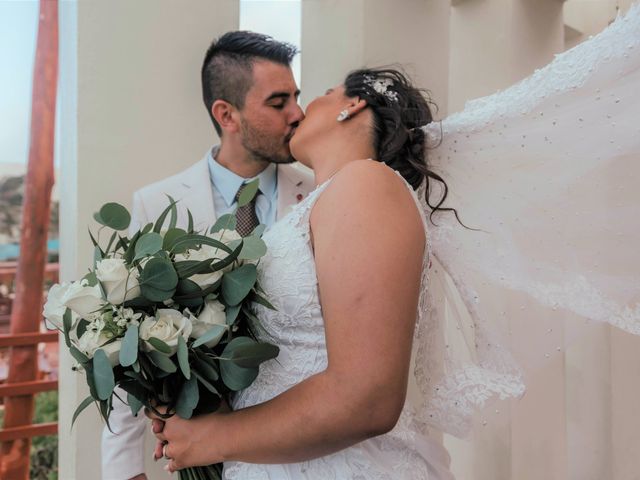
[(288, 275)]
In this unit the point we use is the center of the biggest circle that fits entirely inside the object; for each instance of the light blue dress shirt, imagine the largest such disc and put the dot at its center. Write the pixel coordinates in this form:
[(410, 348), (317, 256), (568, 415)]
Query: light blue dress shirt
[(225, 185)]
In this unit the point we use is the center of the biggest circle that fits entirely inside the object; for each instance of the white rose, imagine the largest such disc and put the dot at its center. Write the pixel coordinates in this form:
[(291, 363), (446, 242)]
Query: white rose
[(117, 280), (167, 325), (54, 307), (207, 252), (92, 340), (83, 299), (212, 314)]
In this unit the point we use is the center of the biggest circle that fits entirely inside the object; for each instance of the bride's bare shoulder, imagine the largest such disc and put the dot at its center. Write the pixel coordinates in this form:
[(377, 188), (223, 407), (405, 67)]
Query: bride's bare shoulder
[(367, 188)]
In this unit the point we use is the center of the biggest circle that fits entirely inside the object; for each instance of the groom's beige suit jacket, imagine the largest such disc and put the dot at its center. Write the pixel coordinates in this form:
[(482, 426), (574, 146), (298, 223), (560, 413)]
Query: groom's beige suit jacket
[(123, 451)]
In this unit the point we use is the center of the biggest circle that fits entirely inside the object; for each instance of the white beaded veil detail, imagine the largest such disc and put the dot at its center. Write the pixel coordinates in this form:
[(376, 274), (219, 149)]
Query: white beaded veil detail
[(547, 170)]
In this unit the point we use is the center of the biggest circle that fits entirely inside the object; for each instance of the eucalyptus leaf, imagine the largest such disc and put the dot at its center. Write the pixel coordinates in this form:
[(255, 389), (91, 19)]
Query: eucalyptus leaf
[(254, 248), (82, 327), (235, 377), (97, 255), (134, 404), (206, 367), (190, 221), (188, 398), (129, 347), (158, 280), (225, 222), (229, 259), (232, 314), (183, 357), (173, 219), (66, 326), (84, 404), (148, 244), (160, 222), (253, 354), (248, 192), (192, 241), (111, 240), (215, 333), (159, 345), (163, 362), (257, 298), (114, 215), (103, 375), (237, 284), (171, 236), (208, 385), (259, 230), (78, 355)]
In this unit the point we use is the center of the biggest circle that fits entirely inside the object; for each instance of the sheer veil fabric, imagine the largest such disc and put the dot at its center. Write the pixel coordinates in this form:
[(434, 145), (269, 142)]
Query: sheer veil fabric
[(546, 171)]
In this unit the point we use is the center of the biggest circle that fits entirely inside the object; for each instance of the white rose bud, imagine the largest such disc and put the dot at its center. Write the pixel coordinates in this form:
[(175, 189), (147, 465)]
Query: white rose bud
[(207, 252), (167, 325), (117, 280), (83, 299), (54, 307), (92, 340), (212, 314)]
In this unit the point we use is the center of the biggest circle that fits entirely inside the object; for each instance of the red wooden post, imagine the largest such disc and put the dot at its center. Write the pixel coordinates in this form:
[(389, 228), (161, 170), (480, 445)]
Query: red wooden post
[(27, 308)]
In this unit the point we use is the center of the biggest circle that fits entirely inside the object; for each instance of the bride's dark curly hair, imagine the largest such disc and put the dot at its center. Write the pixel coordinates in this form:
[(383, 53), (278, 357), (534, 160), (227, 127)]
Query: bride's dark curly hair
[(399, 110)]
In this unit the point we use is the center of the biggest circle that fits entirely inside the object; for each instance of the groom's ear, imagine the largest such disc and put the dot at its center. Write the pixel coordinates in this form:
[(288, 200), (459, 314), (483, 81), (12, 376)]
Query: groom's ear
[(226, 115)]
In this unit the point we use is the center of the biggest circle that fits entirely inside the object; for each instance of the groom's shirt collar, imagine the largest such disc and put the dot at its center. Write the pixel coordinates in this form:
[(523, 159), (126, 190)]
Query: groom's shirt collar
[(227, 183)]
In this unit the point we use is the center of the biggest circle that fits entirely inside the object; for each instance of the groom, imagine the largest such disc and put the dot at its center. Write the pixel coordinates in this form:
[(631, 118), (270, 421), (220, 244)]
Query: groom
[(252, 98)]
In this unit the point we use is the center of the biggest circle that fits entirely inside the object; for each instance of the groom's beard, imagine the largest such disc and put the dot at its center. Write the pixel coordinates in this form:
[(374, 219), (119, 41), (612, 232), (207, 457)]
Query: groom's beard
[(265, 147)]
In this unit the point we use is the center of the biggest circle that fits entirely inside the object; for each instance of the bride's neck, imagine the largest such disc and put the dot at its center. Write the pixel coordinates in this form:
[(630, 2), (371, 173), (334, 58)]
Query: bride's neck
[(332, 155)]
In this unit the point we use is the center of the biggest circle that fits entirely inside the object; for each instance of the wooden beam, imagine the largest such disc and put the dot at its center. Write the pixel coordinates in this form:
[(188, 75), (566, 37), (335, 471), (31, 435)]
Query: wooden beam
[(27, 431), (20, 339), (26, 313), (27, 388)]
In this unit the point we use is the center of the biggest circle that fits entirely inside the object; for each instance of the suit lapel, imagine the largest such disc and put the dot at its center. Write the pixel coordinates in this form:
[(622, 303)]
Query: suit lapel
[(198, 197)]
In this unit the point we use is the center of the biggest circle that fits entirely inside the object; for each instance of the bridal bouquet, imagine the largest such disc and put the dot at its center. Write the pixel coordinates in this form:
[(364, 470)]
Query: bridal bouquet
[(164, 315)]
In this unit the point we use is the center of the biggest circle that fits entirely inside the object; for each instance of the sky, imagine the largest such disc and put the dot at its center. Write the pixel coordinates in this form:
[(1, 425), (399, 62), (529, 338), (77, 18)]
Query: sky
[(18, 29), (18, 26), (279, 18)]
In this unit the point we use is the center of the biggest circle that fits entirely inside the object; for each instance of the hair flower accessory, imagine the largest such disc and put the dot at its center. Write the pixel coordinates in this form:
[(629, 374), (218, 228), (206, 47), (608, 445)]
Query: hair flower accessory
[(381, 85)]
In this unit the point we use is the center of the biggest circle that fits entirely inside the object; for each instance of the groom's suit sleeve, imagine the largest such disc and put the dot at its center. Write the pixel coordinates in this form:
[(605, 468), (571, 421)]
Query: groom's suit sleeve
[(123, 447)]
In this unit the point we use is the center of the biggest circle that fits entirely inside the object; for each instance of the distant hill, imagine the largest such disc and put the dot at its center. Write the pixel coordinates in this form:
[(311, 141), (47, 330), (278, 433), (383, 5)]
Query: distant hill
[(11, 199)]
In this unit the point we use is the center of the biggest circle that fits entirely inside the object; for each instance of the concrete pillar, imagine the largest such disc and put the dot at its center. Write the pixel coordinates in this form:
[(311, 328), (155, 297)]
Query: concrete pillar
[(131, 113), (495, 43), (339, 36)]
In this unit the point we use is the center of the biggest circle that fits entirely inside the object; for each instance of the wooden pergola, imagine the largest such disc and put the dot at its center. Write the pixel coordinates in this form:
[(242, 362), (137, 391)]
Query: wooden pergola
[(26, 314)]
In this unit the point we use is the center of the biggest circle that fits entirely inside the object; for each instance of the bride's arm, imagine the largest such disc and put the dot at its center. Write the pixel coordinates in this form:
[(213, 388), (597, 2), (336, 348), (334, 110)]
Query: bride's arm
[(368, 244)]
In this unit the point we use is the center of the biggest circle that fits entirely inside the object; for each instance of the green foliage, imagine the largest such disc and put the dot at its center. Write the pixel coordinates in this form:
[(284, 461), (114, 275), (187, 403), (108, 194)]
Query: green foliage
[(113, 215), (237, 284)]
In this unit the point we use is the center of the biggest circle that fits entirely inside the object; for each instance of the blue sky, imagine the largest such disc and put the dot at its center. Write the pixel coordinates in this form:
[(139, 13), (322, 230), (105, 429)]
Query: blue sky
[(18, 26), (278, 18)]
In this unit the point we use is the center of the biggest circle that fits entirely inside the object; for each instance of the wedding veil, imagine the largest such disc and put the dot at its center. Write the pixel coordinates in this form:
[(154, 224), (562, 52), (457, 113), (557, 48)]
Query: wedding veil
[(546, 171)]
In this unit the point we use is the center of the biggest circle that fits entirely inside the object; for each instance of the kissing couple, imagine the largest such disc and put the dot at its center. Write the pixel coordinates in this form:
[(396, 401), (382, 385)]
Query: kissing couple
[(345, 269)]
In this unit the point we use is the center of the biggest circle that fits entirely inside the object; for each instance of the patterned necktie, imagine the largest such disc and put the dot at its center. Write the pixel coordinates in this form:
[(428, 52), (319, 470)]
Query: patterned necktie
[(246, 218)]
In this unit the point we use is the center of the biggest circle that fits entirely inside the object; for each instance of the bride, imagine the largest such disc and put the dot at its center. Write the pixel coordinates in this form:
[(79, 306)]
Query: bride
[(364, 383)]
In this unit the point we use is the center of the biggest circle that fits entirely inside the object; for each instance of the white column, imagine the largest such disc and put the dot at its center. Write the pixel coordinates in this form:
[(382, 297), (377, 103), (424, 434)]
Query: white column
[(339, 36), (495, 43), (131, 114)]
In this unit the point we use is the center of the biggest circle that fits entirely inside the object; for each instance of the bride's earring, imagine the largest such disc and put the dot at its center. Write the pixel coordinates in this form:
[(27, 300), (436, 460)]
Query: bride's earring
[(344, 114)]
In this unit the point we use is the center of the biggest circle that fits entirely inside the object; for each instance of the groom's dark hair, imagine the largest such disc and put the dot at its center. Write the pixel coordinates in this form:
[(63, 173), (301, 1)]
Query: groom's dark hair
[(227, 70)]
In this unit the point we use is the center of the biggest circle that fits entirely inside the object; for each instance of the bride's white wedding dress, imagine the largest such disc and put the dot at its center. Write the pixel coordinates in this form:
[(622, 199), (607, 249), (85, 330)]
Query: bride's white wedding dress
[(288, 276), (548, 170)]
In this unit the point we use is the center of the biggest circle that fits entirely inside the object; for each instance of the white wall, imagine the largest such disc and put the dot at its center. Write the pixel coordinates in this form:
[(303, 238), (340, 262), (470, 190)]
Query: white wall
[(131, 114)]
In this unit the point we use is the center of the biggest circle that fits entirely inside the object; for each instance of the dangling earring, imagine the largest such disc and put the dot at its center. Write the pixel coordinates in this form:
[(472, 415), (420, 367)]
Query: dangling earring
[(344, 114)]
